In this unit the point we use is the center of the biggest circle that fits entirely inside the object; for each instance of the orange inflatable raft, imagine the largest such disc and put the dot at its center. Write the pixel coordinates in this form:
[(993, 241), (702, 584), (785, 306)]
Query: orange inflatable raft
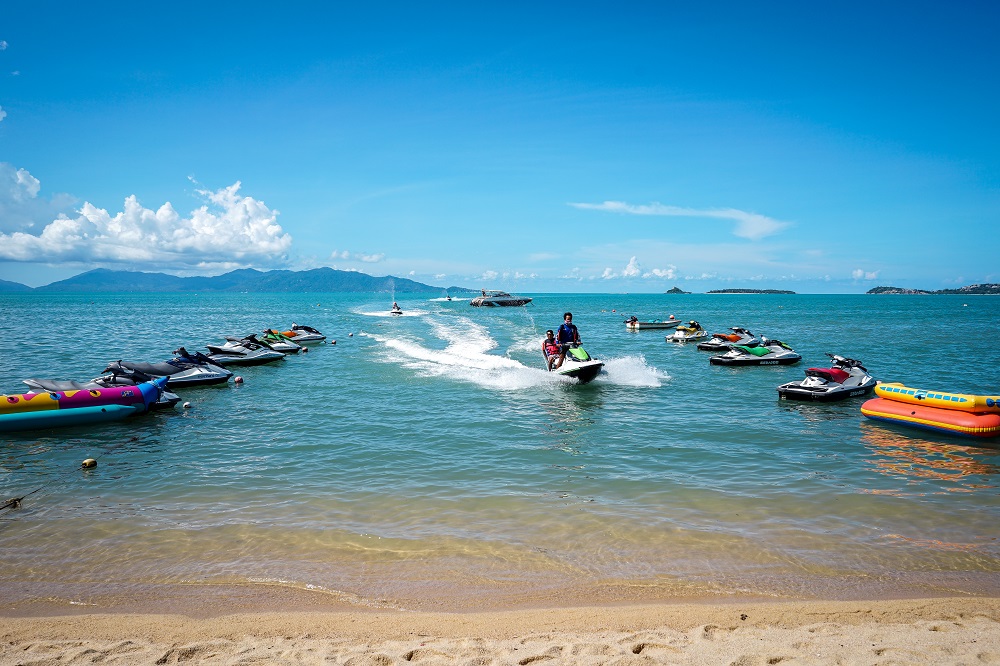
[(953, 413)]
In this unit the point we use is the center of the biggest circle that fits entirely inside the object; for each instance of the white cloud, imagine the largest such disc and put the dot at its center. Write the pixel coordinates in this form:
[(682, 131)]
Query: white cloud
[(440, 276), (632, 269), (667, 273), (748, 225), (230, 230), (860, 274), (3, 45), (3, 114), (608, 274), (489, 275)]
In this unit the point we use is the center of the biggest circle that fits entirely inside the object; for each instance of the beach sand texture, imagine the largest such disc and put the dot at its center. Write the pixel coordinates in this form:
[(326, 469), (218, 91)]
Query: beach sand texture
[(935, 631)]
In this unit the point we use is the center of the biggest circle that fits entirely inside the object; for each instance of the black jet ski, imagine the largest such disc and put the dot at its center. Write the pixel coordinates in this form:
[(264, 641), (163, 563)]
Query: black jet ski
[(768, 352), (579, 365), (846, 379), (119, 377), (721, 342), (245, 351), (185, 369)]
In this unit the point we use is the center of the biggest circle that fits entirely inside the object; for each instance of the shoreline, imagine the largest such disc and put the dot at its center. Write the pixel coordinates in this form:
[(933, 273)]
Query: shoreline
[(944, 630)]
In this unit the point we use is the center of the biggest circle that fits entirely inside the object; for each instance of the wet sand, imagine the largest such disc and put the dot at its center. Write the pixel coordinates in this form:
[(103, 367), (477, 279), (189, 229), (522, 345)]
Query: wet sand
[(923, 631)]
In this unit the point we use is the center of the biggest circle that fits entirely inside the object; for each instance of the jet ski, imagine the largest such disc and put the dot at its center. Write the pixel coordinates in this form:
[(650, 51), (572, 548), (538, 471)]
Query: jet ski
[(846, 379), (768, 352), (120, 377), (279, 342), (303, 334), (720, 342), (245, 351), (396, 310), (579, 365), (185, 369), (689, 332)]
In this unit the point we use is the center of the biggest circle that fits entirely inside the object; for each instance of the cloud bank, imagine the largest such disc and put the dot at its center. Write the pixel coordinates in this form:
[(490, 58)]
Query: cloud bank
[(229, 230), (748, 225)]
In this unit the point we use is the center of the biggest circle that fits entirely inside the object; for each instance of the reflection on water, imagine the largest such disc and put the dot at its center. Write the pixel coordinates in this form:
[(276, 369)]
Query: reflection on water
[(821, 411), (915, 459)]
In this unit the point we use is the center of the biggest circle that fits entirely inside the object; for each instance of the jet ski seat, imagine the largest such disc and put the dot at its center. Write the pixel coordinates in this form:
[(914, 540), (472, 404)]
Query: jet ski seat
[(829, 374)]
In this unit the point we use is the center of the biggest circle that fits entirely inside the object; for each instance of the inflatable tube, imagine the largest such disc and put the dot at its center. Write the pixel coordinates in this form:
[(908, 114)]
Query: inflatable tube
[(142, 395), (55, 418), (952, 421), (942, 399)]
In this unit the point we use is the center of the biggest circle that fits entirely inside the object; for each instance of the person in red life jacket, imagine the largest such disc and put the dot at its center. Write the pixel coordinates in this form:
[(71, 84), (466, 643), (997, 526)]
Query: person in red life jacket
[(567, 335), (551, 349)]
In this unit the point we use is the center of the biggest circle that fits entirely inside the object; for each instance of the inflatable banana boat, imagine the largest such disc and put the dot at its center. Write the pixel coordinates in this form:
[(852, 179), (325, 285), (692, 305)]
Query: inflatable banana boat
[(953, 413), (30, 411)]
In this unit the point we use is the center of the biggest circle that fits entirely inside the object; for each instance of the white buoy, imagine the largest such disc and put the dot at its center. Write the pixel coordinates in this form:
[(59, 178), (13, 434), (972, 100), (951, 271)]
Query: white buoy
[(238, 379), (187, 405), (333, 342), (305, 349), (89, 463), (350, 335)]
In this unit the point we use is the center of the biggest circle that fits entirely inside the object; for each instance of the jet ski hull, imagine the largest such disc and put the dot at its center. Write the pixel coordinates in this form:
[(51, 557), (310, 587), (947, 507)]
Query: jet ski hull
[(582, 372), (235, 359), (754, 360), (795, 391)]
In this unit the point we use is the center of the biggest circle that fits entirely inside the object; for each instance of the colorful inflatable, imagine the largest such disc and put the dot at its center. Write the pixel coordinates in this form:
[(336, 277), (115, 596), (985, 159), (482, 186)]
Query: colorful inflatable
[(954, 413), (29, 411)]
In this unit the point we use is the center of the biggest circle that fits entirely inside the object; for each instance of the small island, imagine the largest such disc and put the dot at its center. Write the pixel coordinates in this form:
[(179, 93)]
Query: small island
[(677, 290), (972, 289), (749, 291)]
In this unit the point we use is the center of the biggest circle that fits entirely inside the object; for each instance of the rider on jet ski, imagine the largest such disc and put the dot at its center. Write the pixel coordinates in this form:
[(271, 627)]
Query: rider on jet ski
[(567, 335)]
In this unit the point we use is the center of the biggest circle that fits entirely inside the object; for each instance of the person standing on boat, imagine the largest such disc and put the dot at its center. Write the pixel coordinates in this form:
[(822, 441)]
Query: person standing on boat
[(551, 349), (567, 335)]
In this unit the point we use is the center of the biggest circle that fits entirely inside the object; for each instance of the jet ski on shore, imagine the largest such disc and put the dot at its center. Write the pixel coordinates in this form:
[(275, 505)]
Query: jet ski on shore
[(119, 377), (768, 352), (303, 334), (721, 342), (846, 379), (245, 351), (185, 369), (579, 365)]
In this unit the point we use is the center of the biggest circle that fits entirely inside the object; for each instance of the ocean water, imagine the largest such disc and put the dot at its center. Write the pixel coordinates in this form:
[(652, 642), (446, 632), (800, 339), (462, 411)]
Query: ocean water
[(429, 462)]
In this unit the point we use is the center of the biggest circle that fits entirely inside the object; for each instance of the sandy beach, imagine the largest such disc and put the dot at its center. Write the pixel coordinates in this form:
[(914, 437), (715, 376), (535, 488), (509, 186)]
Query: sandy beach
[(925, 631)]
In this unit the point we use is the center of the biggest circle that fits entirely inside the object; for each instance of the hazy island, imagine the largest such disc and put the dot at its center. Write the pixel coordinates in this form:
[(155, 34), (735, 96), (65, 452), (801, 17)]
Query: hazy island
[(749, 291), (677, 290), (972, 289)]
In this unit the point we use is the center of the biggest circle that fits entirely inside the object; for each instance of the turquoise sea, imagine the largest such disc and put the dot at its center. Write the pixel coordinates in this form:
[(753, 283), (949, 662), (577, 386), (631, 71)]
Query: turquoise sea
[(429, 462)]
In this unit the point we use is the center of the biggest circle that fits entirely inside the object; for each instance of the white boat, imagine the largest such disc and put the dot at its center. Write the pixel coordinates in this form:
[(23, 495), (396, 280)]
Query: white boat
[(501, 299), (633, 323)]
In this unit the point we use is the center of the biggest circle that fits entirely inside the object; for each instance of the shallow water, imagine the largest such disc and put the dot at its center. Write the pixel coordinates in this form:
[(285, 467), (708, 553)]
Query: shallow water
[(429, 460)]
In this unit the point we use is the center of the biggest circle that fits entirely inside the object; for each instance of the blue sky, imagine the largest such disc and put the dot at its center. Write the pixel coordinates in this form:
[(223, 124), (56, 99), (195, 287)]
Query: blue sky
[(534, 147)]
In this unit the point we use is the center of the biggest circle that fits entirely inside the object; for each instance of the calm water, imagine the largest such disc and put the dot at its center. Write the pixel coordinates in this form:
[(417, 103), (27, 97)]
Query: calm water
[(429, 461)]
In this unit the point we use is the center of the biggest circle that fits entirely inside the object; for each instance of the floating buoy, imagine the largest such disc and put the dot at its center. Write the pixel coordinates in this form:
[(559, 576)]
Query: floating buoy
[(187, 405), (333, 342), (305, 349), (350, 335), (89, 463), (238, 379)]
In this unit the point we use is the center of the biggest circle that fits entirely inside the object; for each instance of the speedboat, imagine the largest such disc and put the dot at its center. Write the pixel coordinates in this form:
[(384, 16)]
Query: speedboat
[(500, 299), (689, 332), (303, 334), (246, 351), (846, 379), (119, 377), (720, 342), (279, 342), (579, 365), (633, 323), (768, 352), (185, 369)]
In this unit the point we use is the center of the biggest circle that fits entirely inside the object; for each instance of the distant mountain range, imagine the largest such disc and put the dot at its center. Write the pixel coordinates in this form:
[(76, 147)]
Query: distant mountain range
[(324, 280), (749, 291), (972, 289)]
